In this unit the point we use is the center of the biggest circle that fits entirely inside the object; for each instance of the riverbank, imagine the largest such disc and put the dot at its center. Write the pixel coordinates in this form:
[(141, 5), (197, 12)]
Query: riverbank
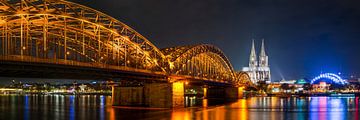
[(315, 94), (59, 93)]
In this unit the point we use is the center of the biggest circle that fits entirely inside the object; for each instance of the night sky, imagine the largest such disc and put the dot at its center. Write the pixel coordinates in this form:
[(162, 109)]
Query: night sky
[(303, 37)]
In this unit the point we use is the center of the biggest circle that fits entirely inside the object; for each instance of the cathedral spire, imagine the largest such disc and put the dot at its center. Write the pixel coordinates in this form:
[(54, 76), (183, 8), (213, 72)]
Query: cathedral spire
[(253, 61), (262, 52), (253, 51), (263, 57)]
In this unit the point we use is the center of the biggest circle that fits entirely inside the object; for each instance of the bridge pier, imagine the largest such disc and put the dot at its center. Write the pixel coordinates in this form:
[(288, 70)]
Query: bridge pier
[(230, 93), (154, 95)]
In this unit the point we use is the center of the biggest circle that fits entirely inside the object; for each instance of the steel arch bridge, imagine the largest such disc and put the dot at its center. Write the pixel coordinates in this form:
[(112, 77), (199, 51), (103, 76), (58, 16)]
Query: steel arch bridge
[(333, 77), (66, 33)]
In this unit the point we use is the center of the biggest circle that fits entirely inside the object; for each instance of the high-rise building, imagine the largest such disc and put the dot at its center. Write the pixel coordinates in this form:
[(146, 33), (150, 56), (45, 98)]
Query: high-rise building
[(258, 70)]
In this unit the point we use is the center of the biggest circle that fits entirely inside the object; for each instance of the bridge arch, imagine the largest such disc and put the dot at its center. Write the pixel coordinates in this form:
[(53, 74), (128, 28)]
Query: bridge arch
[(243, 79), (202, 60), (333, 77), (62, 30)]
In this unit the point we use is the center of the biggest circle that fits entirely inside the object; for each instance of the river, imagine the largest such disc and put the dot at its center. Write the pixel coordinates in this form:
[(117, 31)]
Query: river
[(70, 107)]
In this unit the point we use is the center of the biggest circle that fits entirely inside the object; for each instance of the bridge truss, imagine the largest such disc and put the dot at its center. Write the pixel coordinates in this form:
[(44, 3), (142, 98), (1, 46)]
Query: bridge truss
[(62, 32)]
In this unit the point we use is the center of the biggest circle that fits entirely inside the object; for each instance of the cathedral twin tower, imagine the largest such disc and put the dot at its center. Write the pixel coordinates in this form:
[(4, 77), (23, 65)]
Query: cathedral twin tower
[(258, 70)]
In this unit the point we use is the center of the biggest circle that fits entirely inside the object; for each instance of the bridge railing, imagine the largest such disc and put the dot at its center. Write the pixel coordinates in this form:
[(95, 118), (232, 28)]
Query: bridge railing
[(201, 78)]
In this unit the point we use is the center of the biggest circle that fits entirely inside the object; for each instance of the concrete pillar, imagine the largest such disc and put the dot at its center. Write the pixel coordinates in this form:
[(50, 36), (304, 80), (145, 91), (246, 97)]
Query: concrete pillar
[(205, 89), (158, 95), (128, 96), (178, 94), (215, 92), (241, 92), (231, 93), (223, 92), (165, 95), (155, 95)]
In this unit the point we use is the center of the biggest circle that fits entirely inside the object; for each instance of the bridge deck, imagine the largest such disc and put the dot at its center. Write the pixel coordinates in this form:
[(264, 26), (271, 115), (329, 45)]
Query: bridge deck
[(17, 66)]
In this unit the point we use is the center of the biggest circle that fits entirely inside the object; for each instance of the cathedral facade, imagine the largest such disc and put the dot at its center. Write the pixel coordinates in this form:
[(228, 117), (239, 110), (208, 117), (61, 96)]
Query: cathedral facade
[(258, 68)]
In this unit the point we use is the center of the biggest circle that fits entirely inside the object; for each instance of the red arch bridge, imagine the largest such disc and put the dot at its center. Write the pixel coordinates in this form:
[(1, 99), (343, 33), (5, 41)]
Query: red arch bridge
[(61, 39)]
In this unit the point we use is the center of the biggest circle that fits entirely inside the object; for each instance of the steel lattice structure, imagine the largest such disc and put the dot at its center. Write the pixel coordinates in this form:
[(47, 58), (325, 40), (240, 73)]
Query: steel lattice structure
[(62, 32), (244, 79), (199, 60)]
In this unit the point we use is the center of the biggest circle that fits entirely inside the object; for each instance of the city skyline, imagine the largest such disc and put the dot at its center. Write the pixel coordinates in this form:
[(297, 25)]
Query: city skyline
[(183, 59)]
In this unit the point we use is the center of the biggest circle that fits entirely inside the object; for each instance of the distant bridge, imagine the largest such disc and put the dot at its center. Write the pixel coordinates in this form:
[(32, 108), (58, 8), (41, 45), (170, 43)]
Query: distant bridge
[(336, 79)]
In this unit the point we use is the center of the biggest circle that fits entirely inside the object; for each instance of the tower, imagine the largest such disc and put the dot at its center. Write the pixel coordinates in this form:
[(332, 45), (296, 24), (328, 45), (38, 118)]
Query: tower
[(263, 69), (253, 58), (258, 70), (263, 57), (253, 64)]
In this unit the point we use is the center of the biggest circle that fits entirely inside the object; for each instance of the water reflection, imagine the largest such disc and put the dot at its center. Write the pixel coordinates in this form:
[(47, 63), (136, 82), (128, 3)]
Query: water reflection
[(26, 106), (99, 108), (275, 108), (53, 106), (72, 107)]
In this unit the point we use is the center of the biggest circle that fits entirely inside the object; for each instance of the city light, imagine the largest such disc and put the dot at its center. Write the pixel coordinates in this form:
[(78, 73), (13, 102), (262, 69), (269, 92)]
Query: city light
[(333, 77), (63, 60)]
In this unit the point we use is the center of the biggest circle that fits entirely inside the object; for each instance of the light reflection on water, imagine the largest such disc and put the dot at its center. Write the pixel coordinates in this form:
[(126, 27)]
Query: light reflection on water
[(99, 107)]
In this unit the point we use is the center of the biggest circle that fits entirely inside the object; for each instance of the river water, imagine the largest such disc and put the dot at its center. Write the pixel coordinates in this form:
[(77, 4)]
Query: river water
[(70, 107)]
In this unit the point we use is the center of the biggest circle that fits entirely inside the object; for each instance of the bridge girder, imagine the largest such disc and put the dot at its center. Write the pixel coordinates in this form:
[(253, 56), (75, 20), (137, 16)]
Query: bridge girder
[(203, 60)]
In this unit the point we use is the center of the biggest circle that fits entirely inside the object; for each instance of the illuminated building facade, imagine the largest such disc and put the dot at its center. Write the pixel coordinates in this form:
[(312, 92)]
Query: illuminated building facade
[(258, 70)]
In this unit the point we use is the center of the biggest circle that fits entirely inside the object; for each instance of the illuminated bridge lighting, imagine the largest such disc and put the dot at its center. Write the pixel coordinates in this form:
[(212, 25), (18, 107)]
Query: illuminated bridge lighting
[(60, 32), (333, 77)]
